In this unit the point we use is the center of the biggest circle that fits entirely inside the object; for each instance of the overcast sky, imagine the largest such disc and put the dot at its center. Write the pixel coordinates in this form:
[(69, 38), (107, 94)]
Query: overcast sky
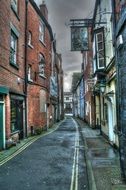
[(60, 12)]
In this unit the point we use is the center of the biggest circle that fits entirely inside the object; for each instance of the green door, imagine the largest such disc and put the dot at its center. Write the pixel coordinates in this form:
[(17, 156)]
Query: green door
[(1, 126)]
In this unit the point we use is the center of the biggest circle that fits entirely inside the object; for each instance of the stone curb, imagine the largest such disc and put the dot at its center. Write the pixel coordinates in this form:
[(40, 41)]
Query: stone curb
[(92, 184), (28, 143)]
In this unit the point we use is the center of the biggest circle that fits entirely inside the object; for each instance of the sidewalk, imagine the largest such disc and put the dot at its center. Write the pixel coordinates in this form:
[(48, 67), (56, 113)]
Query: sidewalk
[(102, 160), (8, 154)]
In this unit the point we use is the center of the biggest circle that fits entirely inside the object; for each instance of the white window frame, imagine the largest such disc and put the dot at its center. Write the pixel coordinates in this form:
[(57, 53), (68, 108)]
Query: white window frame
[(13, 48), (14, 4), (42, 32), (41, 65), (30, 73), (30, 39), (100, 57)]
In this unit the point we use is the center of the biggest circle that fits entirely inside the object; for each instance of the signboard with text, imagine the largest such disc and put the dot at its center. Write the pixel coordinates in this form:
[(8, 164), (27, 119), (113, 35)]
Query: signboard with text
[(79, 38)]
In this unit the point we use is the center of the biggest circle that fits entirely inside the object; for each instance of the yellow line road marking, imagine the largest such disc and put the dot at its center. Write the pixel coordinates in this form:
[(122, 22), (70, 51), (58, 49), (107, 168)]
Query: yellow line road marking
[(26, 145), (74, 177)]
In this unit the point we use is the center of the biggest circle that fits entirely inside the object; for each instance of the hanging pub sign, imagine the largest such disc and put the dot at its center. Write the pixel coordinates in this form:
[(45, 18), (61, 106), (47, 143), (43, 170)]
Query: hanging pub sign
[(79, 34), (79, 38)]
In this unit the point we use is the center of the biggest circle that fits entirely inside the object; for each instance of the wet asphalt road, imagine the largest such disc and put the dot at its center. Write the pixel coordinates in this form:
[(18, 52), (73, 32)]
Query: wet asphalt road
[(54, 162)]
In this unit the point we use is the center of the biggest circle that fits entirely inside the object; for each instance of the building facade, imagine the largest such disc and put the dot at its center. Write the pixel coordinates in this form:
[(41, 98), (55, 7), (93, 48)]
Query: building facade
[(12, 72), (119, 8), (26, 64), (39, 60), (68, 103), (88, 79), (77, 92), (104, 70)]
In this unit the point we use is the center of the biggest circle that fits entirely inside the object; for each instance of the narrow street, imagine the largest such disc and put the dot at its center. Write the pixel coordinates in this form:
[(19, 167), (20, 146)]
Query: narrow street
[(55, 161)]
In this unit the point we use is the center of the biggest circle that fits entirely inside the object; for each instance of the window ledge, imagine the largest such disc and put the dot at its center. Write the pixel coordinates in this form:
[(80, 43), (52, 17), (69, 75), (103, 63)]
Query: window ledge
[(42, 43), (42, 76), (31, 46), (15, 12), (14, 65), (30, 80)]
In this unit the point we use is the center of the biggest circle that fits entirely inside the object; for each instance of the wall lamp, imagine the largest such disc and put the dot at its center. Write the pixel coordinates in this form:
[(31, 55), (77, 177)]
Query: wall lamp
[(102, 87)]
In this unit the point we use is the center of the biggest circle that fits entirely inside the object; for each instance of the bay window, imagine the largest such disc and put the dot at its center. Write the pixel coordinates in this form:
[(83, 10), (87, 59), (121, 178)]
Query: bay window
[(100, 48)]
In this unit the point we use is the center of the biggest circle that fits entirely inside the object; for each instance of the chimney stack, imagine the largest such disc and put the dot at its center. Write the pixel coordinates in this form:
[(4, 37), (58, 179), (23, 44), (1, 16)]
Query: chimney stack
[(44, 10)]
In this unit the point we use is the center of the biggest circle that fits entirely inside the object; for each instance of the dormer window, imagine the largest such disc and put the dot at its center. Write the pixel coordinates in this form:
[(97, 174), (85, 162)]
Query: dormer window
[(41, 65)]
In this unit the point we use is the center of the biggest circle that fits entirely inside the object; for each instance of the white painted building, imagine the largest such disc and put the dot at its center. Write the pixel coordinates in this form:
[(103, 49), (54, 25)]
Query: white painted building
[(68, 103)]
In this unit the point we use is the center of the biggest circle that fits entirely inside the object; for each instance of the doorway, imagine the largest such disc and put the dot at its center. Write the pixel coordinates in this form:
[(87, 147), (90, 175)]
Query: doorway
[(2, 126)]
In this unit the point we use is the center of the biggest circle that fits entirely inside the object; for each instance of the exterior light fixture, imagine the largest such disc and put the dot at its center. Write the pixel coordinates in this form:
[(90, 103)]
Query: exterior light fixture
[(102, 87)]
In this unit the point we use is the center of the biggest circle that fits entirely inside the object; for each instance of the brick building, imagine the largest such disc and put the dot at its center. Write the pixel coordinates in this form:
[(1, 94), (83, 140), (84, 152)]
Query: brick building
[(59, 76), (26, 65), (68, 103), (39, 60), (12, 73), (89, 113)]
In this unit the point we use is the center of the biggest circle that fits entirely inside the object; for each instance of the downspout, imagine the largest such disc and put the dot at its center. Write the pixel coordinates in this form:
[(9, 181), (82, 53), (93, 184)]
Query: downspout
[(26, 25)]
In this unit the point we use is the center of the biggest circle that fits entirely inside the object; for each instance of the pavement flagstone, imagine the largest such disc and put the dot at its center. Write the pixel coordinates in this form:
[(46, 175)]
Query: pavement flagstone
[(103, 158)]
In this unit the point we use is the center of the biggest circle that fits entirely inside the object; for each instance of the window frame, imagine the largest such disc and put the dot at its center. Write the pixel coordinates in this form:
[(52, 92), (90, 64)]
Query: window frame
[(13, 50), (41, 65), (30, 39), (42, 32), (100, 56), (30, 73), (14, 6)]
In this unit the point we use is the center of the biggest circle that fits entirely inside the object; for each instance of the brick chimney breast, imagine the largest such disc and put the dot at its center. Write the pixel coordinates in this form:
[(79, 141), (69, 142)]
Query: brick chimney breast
[(44, 10)]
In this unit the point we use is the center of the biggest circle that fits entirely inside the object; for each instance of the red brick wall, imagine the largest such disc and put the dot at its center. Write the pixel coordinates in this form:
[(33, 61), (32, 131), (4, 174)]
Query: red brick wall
[(87, 76), (9, 74), (35, 117)]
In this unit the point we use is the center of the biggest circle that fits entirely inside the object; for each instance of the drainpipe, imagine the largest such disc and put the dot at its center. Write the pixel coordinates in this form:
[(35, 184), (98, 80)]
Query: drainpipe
[(26, 21)]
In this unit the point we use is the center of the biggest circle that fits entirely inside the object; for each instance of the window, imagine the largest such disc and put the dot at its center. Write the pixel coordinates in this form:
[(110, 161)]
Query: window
[(100, 49), (41, 65), (16, 115), (30, 39), (42, 32), (14, 5), (67, 98), (13, 49), (68, 106), (1, 97), (30, 73)]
